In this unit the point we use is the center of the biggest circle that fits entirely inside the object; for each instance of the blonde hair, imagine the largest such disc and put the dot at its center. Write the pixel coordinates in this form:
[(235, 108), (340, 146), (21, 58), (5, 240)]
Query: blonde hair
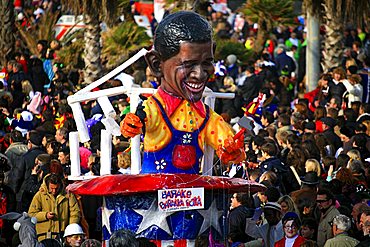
[(354, 154), (124, 160), (292, 207), (26, 87), (312, 165), (367, 124)]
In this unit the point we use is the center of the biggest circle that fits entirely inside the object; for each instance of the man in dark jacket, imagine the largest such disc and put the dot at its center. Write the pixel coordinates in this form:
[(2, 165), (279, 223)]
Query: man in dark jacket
[(23, 171), (14, 153), (251, 86), (237, 219), (284, 64), (328, 125)]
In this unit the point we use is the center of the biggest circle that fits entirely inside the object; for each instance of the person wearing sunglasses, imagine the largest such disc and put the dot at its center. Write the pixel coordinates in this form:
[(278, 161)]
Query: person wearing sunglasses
[(326, 203), (340, 226)]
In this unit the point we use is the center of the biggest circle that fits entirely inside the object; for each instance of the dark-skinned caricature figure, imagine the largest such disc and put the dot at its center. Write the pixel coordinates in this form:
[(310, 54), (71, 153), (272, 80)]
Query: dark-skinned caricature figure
[(177, 123)]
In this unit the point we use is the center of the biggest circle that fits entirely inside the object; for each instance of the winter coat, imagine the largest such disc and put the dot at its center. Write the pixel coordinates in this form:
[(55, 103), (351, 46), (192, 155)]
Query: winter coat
[(355, 92), (283, 61), (297, 242), (342, 240), (14, 153), (23, 171), (65, 206), (325, 230), (237, 221)]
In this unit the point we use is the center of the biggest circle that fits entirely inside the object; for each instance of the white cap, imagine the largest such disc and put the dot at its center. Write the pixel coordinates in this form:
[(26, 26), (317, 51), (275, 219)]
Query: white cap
[(38, 11), (20, 16), (73, 229)]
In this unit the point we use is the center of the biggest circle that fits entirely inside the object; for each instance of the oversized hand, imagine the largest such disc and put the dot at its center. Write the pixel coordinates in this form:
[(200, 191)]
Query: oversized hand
[(131, 125), (232, 151)]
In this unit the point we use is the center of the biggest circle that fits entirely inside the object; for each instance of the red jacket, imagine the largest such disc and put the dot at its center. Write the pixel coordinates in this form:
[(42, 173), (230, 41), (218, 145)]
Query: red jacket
[(297, 243)]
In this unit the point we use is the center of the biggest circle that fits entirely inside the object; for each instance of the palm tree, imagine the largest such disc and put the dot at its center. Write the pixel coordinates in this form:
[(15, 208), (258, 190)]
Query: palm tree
[(268, 14), (337, 13), (94, 12), (7, 39), (43, 31), (122, 40)]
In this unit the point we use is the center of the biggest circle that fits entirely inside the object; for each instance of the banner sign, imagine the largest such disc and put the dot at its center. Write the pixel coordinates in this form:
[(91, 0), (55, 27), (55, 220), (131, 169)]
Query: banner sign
[(180, 199)]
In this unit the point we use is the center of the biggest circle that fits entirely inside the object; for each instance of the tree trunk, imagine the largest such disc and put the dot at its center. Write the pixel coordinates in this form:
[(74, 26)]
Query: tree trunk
[(7, 40), (92, 52), (262, 35), (312, 51), (333, 45)]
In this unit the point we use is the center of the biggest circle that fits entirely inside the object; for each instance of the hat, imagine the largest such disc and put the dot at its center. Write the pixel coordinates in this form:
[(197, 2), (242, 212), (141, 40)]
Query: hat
[(346, 131), (310, 178), (35, 138), (27, 116), (291, 216), (328, 121), (44, 158), (272, 205), (231, 59), (38, 11), (20, 16)]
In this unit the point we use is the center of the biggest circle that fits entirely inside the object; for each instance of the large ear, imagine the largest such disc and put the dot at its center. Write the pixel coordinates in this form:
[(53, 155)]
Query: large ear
[(154, 63)]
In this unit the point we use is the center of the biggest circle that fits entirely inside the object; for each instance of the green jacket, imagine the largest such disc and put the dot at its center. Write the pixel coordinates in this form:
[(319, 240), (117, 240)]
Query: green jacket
[(341, 240), (325, 231), (64, 205)]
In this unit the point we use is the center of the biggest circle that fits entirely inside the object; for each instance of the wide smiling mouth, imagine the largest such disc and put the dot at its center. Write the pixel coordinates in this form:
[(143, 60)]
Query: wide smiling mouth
[(194, 86)]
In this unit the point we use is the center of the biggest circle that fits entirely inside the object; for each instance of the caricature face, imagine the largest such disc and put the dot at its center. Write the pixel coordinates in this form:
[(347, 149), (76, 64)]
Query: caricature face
[(186, 74)]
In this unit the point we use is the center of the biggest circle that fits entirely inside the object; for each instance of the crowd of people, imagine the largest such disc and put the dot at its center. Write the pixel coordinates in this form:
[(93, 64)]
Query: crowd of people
[(310, 149)]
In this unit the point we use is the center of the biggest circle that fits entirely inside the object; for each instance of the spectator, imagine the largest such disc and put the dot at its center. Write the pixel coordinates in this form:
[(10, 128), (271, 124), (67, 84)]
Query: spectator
[(61, 136), (14, 153), (309, 228), (341, 224), (325, 202), (23, 171), (237, 219), (53, 208), (291, 226), (73, 235), (272, 230), (123, 238)]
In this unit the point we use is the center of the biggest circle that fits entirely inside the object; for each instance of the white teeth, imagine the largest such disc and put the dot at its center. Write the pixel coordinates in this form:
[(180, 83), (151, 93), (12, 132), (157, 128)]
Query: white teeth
[(196, 86)]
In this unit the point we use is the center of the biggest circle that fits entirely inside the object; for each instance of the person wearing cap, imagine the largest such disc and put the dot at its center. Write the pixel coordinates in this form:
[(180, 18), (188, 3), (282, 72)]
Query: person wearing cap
[(23, 170), (73, 235), (272, 230), (309, 187), (326, 203), (291, 225), (341, 224)]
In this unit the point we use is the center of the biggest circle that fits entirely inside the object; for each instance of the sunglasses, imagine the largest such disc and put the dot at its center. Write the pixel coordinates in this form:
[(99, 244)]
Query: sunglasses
[(321, 201)]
